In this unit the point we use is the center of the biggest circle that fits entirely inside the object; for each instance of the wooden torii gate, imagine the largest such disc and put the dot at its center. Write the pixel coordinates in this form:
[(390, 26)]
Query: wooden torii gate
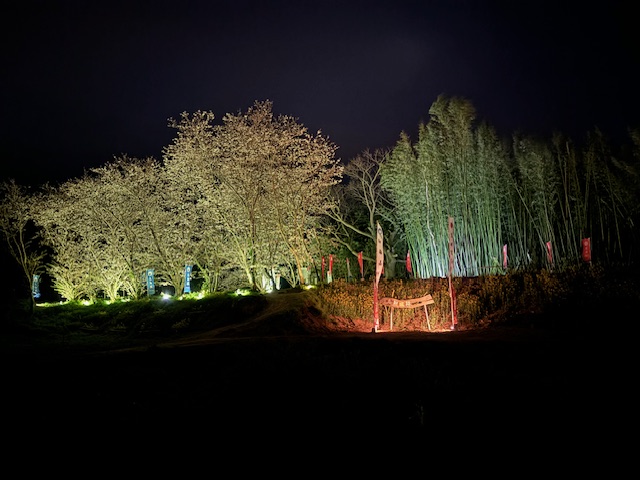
[(408, 303)]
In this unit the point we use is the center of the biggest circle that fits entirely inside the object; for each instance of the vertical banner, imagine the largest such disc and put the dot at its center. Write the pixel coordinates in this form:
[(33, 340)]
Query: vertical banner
[(379, 252), (379, 266), (35, 286), (330, 274), (452, 293), (187, 278), (322, 270), (549, 252), (504, 256), (361, 263), (586, 249), (151, 287), (408, 263)]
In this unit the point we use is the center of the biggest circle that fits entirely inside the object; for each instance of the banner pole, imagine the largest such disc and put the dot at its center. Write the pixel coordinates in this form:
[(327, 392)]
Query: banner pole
[(379, 267)]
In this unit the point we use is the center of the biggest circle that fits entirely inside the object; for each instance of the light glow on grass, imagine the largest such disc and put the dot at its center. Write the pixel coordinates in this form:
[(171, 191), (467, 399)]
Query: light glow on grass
[(50, 304), (192, 296)]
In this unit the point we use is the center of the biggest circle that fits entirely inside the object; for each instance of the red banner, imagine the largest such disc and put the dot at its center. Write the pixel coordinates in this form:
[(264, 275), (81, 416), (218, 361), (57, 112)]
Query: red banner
[(451, 251), (330, 264), (504, 256), (360, 262), (408, 262), (586, 249), (549, 252)]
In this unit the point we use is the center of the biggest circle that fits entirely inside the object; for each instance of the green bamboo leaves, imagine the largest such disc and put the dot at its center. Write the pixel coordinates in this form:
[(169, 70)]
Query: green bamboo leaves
[(537, 198)]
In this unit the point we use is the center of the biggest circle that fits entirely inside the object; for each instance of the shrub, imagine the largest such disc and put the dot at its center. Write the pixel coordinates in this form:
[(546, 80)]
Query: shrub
[(480, 300)]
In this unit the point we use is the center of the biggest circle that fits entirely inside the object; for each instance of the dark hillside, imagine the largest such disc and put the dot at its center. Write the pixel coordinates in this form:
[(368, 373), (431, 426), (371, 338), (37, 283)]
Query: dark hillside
[(281, 370)]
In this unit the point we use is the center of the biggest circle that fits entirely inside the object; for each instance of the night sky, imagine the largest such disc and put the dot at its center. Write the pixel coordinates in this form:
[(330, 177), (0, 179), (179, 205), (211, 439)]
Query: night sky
[(83, 82)]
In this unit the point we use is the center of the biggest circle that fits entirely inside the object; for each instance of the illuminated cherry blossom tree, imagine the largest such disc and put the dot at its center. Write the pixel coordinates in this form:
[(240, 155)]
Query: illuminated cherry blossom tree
[(17, 229), (264, 181)]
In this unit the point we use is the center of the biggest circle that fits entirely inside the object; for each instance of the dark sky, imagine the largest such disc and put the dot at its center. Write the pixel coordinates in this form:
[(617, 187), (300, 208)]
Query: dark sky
[(83, 82)]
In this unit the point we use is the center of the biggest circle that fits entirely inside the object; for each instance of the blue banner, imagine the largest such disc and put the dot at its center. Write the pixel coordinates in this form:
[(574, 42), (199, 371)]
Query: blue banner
[(187, 278), (35, 287), (151, 287)]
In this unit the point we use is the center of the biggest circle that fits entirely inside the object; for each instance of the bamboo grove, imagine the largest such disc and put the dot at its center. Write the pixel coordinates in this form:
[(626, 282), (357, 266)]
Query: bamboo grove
[(258, 196), (236, 201), (528, 194)]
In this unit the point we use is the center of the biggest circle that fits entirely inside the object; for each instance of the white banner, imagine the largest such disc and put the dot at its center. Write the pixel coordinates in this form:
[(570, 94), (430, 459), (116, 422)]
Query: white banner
[(379, 252)]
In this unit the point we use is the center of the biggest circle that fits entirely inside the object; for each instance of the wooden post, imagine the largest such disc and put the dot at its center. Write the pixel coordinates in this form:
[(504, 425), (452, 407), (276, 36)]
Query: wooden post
[(379, 267), (427, 314), (376, 314)]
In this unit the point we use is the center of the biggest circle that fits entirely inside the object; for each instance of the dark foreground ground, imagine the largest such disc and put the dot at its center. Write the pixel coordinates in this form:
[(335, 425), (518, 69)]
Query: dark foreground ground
[(551, 389)]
